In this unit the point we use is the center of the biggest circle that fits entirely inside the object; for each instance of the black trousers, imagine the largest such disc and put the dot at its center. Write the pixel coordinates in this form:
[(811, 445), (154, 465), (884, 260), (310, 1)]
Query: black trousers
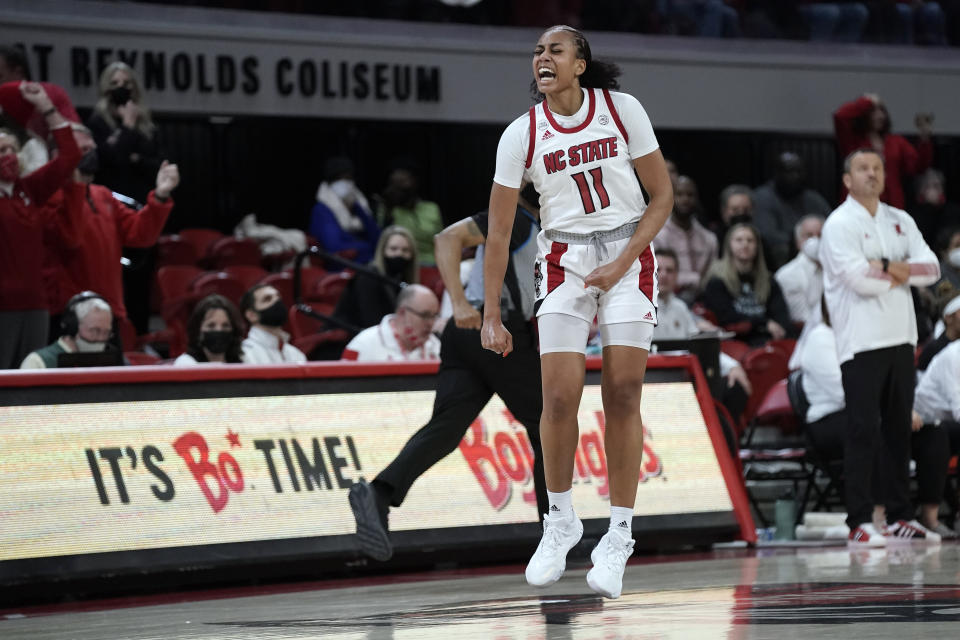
[(469, 375), (929, 448), (878, 387)]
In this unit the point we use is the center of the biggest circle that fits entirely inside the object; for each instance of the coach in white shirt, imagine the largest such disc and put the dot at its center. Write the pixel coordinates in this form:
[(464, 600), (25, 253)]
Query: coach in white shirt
[(801, 279), (871, 254)]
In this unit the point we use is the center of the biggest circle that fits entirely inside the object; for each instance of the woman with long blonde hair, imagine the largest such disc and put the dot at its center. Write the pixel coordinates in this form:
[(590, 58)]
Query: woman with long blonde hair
[(739, 289), (127, 148)]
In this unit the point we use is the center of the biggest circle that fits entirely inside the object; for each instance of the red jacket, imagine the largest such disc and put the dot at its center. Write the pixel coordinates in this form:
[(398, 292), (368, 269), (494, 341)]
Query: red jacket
[(84, 252), (901, 159), (22, 219)]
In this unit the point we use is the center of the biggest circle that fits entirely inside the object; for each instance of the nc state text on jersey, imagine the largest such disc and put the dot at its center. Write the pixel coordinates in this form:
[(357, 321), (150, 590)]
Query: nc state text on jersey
[(580, 154)]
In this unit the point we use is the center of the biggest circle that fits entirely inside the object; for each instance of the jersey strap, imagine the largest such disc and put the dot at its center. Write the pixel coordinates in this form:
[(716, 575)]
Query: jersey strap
[(615, 115), (533, 135)]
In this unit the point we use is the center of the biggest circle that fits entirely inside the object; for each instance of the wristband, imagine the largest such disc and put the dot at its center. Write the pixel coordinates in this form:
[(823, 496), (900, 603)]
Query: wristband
[(886, 263)]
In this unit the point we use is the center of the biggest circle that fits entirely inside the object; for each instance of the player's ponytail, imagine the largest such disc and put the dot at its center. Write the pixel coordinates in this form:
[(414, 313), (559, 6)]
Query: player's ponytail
[(598, 74)]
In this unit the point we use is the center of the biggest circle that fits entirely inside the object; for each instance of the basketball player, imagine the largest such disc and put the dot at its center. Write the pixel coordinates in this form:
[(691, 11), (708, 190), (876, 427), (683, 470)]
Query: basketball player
[(583, 148)]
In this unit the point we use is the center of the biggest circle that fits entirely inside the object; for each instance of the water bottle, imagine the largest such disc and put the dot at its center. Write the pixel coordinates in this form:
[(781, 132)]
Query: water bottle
[(785, 515)]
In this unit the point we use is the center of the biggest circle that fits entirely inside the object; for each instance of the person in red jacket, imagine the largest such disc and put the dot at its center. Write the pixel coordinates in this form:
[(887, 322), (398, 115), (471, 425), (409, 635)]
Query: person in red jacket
[(865, 124), (23, 303), (84, 253)]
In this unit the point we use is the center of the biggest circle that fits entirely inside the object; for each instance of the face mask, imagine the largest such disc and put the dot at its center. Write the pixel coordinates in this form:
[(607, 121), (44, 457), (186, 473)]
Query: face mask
[(89, 163), (120, 96), (811, 248), (85, 346), (216, 341), (954, 257), (274, 315), (343, 189), (395, 265), (9, 167)]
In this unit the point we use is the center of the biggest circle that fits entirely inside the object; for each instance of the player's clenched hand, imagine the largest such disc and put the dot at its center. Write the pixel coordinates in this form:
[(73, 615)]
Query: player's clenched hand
[(495, 337), (605, 276), (466, 316)]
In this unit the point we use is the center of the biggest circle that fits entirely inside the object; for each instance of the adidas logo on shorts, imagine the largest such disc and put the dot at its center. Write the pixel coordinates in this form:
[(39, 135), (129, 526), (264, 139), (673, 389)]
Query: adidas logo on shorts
[(649, 316)]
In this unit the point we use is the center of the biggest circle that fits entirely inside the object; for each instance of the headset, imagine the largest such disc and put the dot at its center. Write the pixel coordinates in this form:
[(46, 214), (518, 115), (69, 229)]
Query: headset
[(69, 322)]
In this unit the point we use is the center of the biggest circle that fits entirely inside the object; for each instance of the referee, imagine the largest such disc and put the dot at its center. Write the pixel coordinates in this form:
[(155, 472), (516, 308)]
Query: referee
[(469, 375), (871, 254)]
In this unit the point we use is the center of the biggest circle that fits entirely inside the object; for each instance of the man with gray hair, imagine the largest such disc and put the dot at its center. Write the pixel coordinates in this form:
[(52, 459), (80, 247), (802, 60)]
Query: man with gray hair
[(406, 334), (85, 327), (801, 279)]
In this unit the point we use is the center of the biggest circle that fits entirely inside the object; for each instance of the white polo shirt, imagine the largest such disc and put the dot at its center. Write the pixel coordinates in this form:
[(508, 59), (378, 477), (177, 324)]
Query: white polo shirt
[(262, 347), (801, 281), (865, 312), (379, 344), (822, 381), (938, 395)]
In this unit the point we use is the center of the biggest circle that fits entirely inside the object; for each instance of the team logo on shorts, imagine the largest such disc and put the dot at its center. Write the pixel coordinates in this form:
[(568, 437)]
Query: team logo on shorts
[(603, 119), (537, 277)]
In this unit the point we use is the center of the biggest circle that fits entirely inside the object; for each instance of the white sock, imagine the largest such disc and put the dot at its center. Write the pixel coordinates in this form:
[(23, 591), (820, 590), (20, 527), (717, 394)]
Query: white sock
[(621, 521), (561, 505)]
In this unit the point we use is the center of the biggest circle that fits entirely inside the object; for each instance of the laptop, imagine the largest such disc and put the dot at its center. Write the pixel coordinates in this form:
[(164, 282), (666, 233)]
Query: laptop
[(108, 358)]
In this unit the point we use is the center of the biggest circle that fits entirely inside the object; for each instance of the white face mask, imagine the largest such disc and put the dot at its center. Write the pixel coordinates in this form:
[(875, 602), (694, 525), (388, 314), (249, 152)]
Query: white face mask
[(343, 189), (954, 257), (85, 346), (811, 248)]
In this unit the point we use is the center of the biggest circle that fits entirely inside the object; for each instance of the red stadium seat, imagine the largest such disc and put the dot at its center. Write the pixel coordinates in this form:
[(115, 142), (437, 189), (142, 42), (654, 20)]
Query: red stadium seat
[(201, 239), (233, 251), (174, 250), (175, 281), (137, 358), (786, 345), (249, 275), (219, 282), (128, 334), (331, 287), (765, 367), (327, 345), (282, 282), (736, 349), (309, 278)]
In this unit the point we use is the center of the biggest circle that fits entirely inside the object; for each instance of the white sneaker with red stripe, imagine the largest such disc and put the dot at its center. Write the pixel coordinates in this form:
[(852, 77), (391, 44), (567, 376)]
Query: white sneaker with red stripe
[(911, 531), (865, 536)]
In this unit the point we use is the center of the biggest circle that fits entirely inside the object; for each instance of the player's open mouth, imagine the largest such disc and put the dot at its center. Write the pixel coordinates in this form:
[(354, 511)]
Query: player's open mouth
[(545, 74)]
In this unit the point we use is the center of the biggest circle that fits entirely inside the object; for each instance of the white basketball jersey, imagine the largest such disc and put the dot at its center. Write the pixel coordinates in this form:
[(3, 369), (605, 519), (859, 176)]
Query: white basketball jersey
[(583, 173)]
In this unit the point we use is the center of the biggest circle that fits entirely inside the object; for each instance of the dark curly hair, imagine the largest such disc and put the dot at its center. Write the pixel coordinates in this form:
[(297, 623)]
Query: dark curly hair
[(598, 74), (234, 352)]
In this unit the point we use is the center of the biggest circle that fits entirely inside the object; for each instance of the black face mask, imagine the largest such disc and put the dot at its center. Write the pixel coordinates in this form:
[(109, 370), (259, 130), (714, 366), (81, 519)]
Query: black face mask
[(90, 163), (274, 315), (216, 341), (120, 96), (396, 265)]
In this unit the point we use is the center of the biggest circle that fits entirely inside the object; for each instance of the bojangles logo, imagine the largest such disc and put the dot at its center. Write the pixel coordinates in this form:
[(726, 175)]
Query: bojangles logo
[(502, 460)]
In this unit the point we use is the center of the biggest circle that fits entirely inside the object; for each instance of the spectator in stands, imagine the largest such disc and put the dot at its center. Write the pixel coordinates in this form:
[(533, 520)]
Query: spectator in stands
[(19, 115), (828, 424), (267, 342), (406, 334), (401, 205), (129, 156), (23, 306), (367, 300), (342, 219), (865, 124), (214, 333), (85, 255), (86, 327), (695, 246), (705, 18), (739, 289), (950, 313), (872, 254), (780, 203), (834, 21), (675, 321), (736, 206), (125, 134), (948, 247), (801, 279), (931, 211)]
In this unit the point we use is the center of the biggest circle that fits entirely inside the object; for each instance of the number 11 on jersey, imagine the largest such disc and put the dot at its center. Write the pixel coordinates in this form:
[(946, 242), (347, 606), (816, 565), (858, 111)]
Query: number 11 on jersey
[(585, 195)]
